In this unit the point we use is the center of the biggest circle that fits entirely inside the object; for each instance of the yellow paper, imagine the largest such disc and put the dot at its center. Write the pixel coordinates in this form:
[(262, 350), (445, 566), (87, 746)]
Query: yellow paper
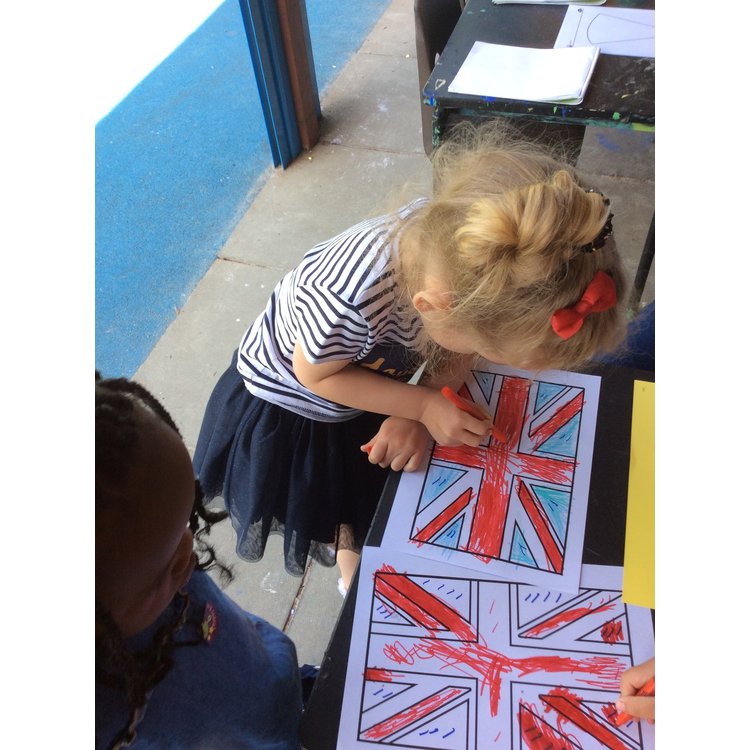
[(638, 584)]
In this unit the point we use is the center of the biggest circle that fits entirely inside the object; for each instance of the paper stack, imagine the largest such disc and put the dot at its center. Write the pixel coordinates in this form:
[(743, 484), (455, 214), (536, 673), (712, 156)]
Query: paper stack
[(559, 76)]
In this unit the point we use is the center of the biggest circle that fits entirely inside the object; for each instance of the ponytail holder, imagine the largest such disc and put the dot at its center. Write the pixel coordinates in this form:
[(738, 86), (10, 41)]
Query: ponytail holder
[(601, 239), (598, 296), (606, 231)]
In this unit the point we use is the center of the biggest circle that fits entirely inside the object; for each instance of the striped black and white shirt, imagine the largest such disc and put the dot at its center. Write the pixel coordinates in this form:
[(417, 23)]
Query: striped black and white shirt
[(340, 303)]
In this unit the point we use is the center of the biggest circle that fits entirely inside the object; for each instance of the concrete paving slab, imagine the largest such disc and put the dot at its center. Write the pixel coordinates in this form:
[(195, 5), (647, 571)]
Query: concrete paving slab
[(320, 195), (618, 153), (316, 614), (375, 104), (262, 587), (393, 34), (185, 364), (621, 164)]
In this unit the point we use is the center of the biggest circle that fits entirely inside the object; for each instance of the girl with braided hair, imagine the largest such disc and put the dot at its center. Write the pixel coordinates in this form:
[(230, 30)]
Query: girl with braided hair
[(511, 260), (178, 664)]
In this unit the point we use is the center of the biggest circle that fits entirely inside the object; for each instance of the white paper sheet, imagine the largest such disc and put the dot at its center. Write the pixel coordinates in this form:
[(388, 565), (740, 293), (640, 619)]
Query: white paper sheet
[(537, 75), (515, 510), (451, 660), (616, 31)]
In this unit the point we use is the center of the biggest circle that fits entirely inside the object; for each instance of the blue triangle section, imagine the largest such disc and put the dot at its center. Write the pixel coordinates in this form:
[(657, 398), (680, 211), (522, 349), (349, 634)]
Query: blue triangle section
[(565, 440), (519, 550), (546, 392), (438, 480), (485, 381), (450, 537), (556, 504)]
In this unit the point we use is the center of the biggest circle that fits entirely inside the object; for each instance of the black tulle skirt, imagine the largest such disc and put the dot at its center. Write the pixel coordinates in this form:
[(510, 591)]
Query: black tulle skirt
[(279, 472)]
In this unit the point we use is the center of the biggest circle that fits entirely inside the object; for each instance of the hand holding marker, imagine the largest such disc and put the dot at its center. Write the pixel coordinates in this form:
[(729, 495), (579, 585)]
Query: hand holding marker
[(649, 689), (467, 407), (472, 409)]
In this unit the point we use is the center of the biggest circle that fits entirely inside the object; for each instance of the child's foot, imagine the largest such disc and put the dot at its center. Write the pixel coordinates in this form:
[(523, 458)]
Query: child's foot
[(340, 586)]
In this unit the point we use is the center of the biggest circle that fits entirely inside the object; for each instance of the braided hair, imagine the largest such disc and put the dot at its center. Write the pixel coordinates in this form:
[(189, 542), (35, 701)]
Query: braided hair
[(117, 436)]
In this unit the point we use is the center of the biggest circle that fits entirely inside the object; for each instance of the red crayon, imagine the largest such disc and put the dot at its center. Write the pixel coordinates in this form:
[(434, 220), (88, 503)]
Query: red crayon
[(472, 409), (649, 689)]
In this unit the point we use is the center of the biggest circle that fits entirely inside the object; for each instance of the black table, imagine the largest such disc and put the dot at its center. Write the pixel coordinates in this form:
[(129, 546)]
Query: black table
[(604, 541), (621, 92)]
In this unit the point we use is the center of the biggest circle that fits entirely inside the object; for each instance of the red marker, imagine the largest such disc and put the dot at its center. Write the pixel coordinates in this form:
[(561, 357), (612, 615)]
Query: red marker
[(472, 409), (649, 689)]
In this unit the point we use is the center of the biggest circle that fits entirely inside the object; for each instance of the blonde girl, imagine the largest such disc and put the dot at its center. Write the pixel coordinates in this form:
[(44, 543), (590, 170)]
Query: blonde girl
[(511, 260)]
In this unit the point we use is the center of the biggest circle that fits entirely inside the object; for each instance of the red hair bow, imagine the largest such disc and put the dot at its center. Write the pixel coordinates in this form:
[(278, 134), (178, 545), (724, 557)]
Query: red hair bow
[(598, 296)]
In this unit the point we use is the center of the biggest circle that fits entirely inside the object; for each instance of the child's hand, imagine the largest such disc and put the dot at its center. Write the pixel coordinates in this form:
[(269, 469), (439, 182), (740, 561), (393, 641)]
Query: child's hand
[(449, 425), (399, 444), (632, 680)]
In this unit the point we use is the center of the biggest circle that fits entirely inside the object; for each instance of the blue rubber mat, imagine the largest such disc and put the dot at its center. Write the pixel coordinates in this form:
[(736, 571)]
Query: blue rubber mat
[(178, 163)]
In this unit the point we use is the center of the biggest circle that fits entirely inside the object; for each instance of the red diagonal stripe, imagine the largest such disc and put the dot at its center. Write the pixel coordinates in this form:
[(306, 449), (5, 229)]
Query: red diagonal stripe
[(573, 613), (414, 713), (562, 416), (443, 518), (541, 525), (584, 719), (424, 608)]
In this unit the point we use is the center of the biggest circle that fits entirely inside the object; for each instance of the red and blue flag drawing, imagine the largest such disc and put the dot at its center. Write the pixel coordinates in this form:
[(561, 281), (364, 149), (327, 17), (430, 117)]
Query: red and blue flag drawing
[(517, 508), (443, 658)]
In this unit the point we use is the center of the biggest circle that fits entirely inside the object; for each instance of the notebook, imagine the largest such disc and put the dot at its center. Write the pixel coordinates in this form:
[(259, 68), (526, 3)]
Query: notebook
[(559, 76)]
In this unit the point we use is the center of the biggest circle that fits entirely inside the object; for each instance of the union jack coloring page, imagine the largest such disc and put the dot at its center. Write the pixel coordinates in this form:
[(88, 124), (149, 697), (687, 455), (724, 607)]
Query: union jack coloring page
[(514, 508), (446, 659)]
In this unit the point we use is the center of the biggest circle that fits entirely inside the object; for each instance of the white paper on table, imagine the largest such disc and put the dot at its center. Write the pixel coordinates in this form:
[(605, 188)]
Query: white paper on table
[(540, 75), (443, 658), (514, 510), (616, 31)]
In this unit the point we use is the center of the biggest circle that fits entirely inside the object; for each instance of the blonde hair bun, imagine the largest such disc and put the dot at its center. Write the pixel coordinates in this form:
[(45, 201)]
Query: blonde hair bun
[(506, 227)]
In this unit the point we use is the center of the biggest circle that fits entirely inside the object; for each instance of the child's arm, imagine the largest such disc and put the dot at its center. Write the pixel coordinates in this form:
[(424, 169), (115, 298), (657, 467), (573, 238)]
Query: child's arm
[(354, 386), (402, 444)]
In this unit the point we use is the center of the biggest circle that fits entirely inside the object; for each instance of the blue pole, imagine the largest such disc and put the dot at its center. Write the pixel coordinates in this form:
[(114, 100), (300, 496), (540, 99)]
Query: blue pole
[(261, 21)]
